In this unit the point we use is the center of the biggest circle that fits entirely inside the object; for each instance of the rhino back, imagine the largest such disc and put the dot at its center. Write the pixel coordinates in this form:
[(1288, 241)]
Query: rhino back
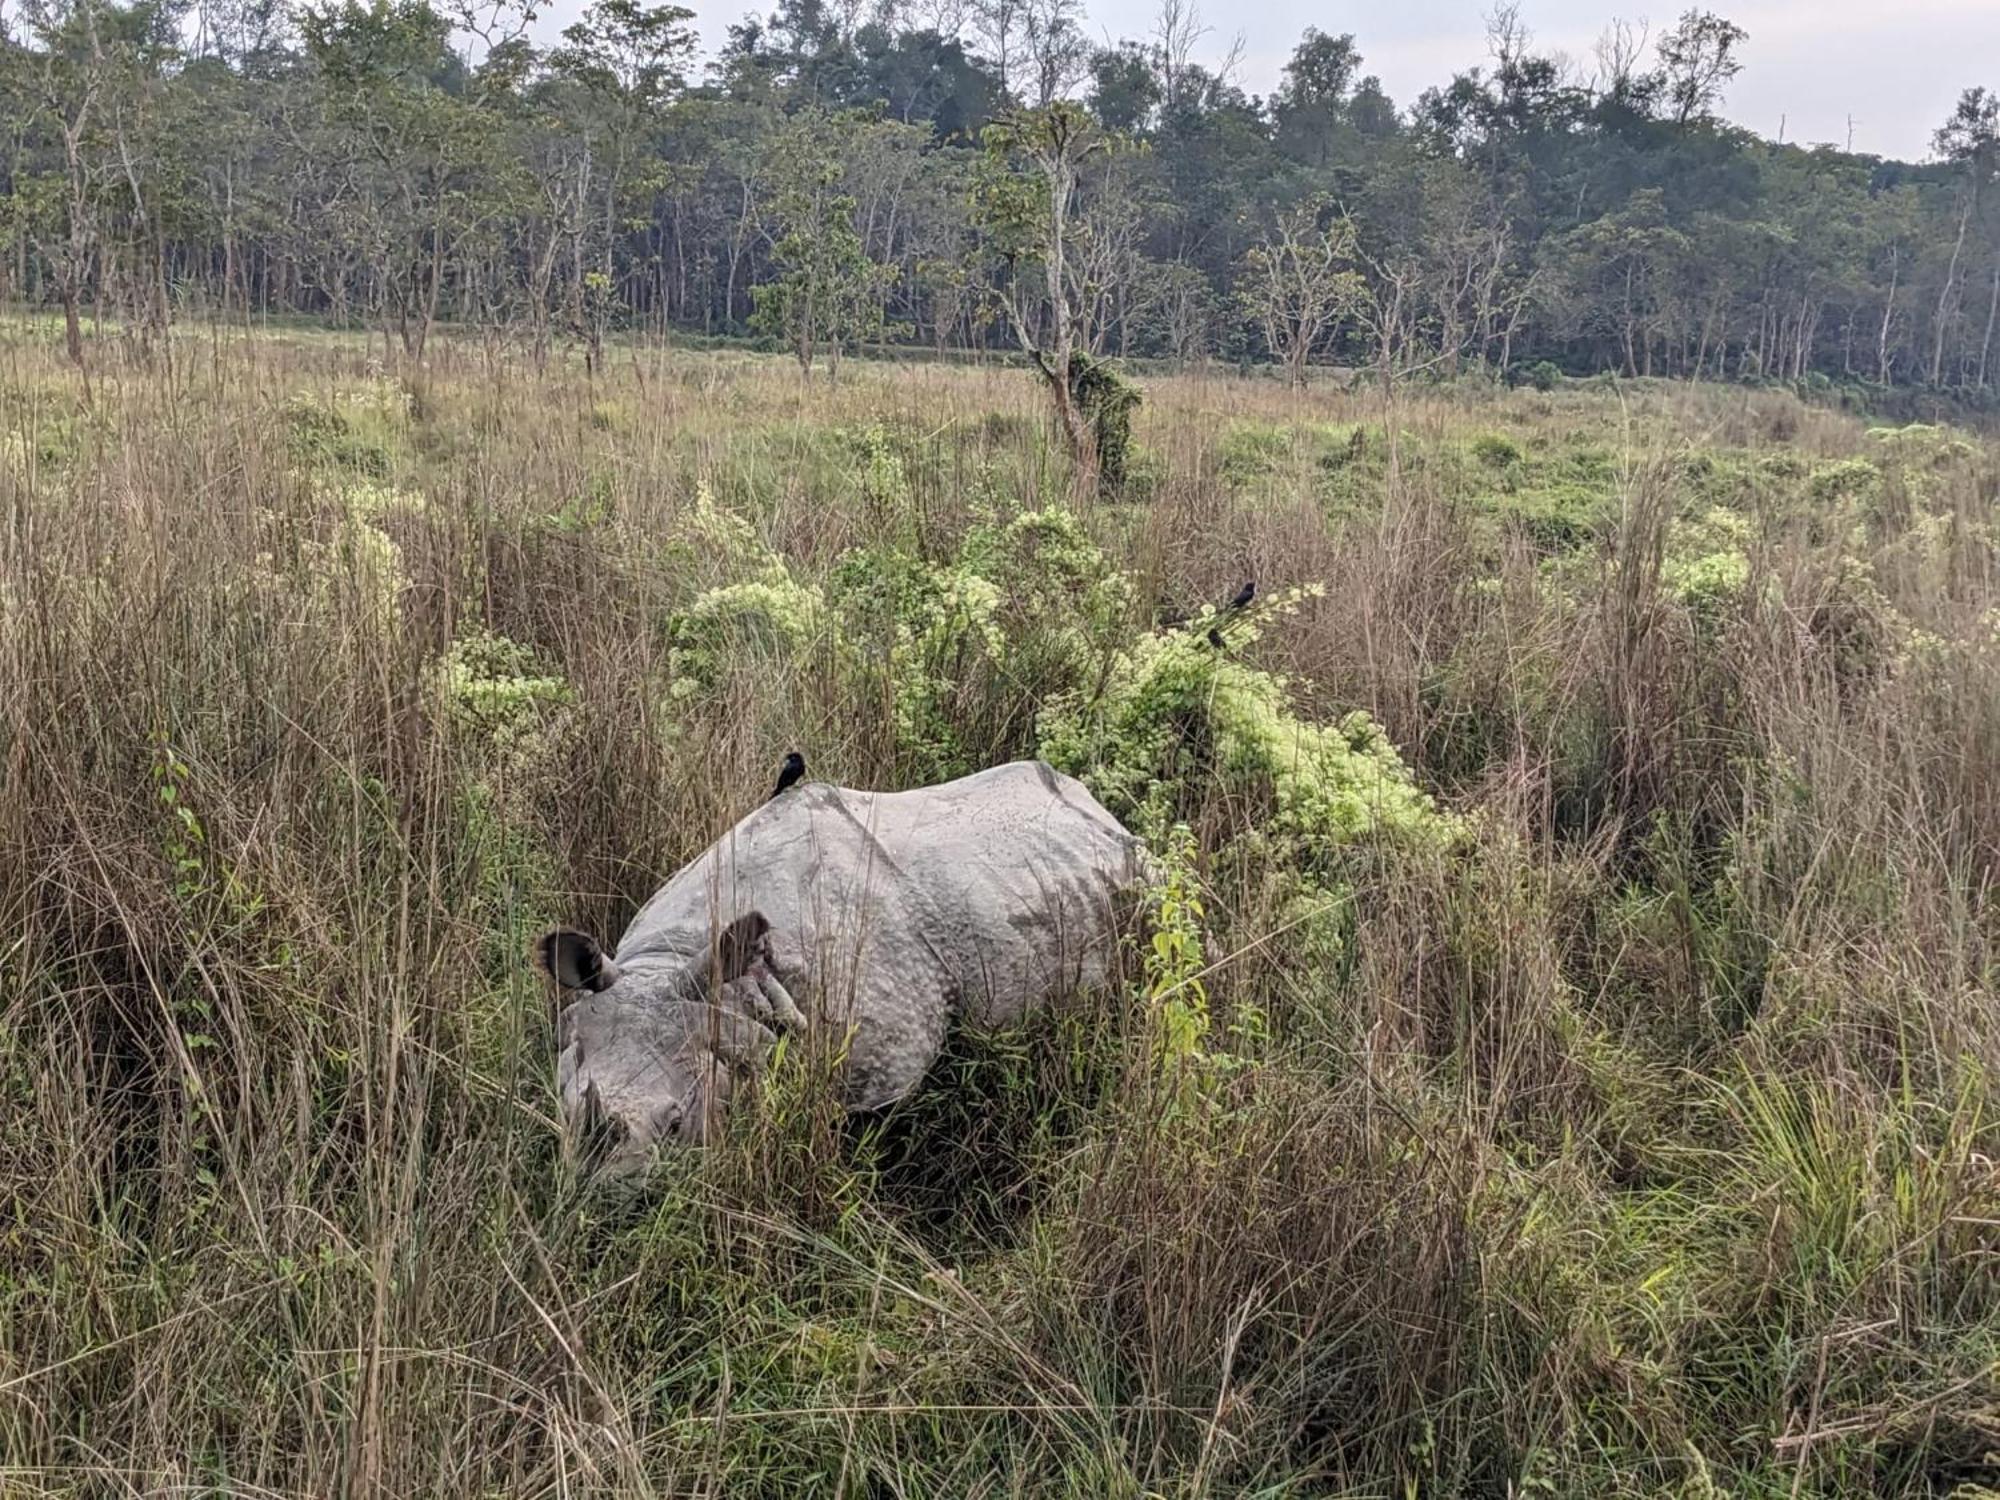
[(988, 894), (1021, 868)]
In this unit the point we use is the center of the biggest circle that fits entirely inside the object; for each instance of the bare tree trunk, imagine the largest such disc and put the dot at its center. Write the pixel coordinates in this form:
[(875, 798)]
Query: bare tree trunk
[(739, 238), (432, 289), (1488, 285), (1631, 362), (1986, 343), (1062, 352), (1944, 297), (1075, 433), (72, 322), (1054, 341), (1888, 312), (149, 300), (76, 246)]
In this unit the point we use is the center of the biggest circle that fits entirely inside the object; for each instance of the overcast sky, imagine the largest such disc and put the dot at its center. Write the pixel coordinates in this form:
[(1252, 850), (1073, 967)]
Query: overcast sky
[(1897, 68)]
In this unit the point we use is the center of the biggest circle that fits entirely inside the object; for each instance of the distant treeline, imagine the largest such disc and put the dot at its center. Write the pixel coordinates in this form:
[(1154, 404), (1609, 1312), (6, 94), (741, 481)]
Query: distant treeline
[(974, 174)]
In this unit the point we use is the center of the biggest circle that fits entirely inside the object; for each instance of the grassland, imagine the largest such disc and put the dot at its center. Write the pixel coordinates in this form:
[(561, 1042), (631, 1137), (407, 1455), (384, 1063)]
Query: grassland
[(1563, 1063)]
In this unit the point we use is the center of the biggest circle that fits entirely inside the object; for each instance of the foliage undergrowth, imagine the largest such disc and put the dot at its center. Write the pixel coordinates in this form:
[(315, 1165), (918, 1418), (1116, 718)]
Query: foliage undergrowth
[(1555, 1056)]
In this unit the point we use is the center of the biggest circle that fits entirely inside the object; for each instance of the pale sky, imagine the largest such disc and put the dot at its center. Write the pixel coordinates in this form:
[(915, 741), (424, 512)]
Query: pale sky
[(1897, 68)]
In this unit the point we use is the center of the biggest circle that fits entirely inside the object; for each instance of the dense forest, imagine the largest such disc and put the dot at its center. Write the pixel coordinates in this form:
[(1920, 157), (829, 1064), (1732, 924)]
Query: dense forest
[(974, 175)]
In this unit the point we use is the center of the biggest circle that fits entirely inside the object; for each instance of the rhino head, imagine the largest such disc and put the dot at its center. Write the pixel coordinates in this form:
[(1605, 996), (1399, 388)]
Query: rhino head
[(648, 1054)]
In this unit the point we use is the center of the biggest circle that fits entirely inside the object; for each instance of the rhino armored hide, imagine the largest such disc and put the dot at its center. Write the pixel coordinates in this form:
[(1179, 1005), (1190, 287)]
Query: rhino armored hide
[(885, 914)]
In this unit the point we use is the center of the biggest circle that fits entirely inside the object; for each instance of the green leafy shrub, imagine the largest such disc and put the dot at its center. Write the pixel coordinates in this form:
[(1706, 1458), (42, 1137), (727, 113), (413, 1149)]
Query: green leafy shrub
[(1495, 450), (358, 429), (1709, 583), (1175, 995), (1919, 462), (965, 649), (750, 610), (1556, 517), (1707, 569), (1177, 725), (1849, 479), (768, 619), (1728, 478), (1922, 444), (715, 544), (357, 560), (494, 687), (1064, 602), (880, 461), (945, 638), (591, 507), (1850, 619)]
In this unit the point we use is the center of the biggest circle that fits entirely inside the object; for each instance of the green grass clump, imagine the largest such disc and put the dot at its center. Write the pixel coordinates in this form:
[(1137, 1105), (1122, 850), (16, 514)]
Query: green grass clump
[(1845, 480), (1250, 452), (1556, 517), (359, 429), (1495, 450)]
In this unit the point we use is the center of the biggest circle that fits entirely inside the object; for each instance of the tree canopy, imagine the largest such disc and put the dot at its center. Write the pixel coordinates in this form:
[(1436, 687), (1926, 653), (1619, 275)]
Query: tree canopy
[(397, 163)]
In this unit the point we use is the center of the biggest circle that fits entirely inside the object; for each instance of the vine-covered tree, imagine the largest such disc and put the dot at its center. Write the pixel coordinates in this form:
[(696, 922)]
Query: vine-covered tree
[(1038, 231)]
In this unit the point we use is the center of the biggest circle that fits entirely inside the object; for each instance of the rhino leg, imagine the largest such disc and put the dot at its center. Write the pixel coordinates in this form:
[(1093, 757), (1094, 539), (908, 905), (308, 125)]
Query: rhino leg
[(894, 1034)]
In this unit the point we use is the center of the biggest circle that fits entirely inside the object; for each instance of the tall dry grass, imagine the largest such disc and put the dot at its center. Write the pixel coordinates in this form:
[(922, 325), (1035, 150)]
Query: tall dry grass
[(1638, 1140)]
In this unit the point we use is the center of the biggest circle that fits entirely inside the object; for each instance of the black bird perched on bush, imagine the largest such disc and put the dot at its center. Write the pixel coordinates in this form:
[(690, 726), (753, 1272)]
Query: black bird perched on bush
[(1241, 602), (794, 768)]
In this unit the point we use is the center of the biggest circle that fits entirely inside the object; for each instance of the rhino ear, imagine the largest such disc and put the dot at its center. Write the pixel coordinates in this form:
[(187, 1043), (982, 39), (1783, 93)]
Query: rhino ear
[(574, 960), (739, 945)]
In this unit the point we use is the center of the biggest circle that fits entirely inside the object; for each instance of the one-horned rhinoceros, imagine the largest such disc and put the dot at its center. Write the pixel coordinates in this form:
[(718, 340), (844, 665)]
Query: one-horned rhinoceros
[(885, 914)]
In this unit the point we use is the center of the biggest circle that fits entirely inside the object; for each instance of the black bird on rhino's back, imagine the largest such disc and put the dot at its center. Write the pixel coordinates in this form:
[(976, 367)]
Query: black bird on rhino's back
[(794, 769)]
